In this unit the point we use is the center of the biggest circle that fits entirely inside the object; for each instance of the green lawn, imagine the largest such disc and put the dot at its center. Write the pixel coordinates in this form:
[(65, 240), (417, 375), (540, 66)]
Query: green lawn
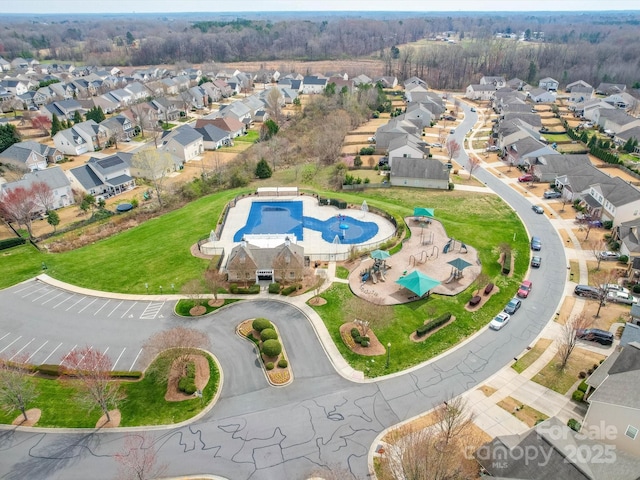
[(144, 403)]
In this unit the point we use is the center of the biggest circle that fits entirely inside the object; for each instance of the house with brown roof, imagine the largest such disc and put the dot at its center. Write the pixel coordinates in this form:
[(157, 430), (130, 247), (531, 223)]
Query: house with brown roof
[(282, 263), (228, 124)]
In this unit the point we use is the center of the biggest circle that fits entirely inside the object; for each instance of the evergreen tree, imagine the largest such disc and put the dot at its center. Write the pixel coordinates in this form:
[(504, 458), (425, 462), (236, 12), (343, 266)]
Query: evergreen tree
[(77, 118), (8, 136), (263, 170), (593, 141), (96, 114), (56, 126), (130, 38), (53, 219)]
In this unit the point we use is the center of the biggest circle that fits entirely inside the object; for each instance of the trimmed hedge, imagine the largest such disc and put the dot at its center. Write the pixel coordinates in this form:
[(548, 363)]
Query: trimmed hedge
[(11, 242), (274, 287), (50, 369), (269, 366), (260, 324), (583, 387), (187, 383), (268, 334), (433, 324), (234, 288), (282, 363), (289, 290), (578, 396), (271, 348), (506, 265)]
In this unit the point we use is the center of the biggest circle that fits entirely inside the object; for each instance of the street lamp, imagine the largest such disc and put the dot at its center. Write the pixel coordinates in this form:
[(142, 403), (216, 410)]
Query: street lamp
[(388, 353), (146, 285), (160, 289)]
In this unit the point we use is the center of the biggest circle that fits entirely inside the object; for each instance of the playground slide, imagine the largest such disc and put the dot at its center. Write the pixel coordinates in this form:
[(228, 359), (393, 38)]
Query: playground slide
[(446, 247), (451, 278), (365, 277), (373, 278), (382, 279)]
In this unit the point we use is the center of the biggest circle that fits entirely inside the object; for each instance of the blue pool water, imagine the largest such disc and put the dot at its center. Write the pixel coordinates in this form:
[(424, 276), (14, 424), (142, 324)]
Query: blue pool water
[(287, 217)]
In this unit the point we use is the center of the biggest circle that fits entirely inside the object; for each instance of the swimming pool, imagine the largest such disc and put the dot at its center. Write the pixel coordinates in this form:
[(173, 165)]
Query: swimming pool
[(287, 217)]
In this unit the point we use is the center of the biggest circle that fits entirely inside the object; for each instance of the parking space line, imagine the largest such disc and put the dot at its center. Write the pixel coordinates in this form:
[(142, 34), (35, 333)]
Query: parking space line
[(87, 305), (81, 298), (34, 291), (52, 298), (43, 295), (135, 360), (65, 357), (26, 287), (54, 351), (25, 346), (117, 306), (152, 310), (11, 344), (134, 304), (68, 298), (98, 311), (5, 336), (118, 359), (39, 348)]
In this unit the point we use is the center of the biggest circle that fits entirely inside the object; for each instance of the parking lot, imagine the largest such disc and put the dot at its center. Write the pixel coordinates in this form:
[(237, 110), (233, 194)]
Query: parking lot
[(63, 320)]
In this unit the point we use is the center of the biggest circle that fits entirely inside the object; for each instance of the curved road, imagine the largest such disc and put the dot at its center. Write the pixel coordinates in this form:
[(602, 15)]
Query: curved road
[(320, 422)]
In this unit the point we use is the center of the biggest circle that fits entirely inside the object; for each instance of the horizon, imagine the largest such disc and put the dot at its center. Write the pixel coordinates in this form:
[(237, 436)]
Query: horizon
[(81, 7)]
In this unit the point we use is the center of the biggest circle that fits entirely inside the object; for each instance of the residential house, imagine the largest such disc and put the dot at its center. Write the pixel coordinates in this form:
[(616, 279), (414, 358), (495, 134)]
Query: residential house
[(228, 124), (419, 112), (418, 173), (214, 137), (517, 84), (615, 121), (212, 91), (282, 263), (26, 156), (610, 88), (387, 81), (104, 177), (5, 66), (614, 406), (118, 128), (525, 151), (480, 92), (628, 235), (415, 81), (105, 102), (55, 179), (81, 138), (64, 109), (185, 142), (496, 82), (632, 133), (415, 93), (170, 86), (407, 146), (548, 168), (580, 94), (225, 88), (238, 111), (396, 128), (579, 83), (13, 86), (549, 450), (549, 84), (506, 96), (590, 109), (137, 91), (541, 95), (362, 80), (622, 100), (313, 84)]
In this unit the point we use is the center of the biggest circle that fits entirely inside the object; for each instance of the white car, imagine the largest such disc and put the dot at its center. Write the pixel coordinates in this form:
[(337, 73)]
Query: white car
[(499, 321), (621, 297), (614, 287)]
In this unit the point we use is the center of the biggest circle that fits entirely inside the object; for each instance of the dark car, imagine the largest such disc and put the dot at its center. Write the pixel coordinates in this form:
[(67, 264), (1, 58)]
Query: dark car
[(536, 261), (383, 162), (537, 209), (595, 335), (586, 291), (536, 243), (513, 306)]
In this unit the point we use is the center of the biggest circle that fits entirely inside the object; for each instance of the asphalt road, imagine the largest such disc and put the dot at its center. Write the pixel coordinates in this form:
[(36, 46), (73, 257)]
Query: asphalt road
[(320, 422)]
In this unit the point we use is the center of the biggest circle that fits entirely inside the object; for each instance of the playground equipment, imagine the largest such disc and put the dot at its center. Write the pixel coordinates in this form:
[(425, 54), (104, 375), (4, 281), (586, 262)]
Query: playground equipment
[(451, 246), (375, 272), (426, 239)]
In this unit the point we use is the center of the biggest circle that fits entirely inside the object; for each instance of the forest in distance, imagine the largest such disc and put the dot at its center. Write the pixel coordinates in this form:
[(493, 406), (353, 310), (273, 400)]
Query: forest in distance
[(592, 46)]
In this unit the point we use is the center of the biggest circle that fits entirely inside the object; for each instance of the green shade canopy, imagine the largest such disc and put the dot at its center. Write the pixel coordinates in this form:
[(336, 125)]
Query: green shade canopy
[(459, 263), (423, 212), (380, 254), (418, 282)]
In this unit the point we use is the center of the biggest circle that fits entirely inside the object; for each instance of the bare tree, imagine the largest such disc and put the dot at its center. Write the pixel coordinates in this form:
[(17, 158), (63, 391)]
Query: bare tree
[(17, 390), (600, 280), (154, 165), (453, 148), (473, 163), (41, 122), (43, 195), (144, 117), (274, 104), (453, 418), (194, 290), (177, 344), (596, 247), (138, 459), (214, 279), (91, 370), (372, 314), (568, 338)]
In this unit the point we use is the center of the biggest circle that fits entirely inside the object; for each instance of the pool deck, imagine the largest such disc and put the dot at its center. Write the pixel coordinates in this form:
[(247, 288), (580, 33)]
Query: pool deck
[(314, 245)]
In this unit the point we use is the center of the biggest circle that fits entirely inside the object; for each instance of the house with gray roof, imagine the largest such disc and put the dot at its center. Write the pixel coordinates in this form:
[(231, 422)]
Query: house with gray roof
[(480, 92), (549, 168), (551, 449), (81, 138), (137, 91), (312, 84), (419, 112), (64, 109), (237, 110), (525, 151), (578, 83), (615, 404), (214, 137), (410, 82), (542, 95), (407, 146), (185, 142), (628, 235), (26, 156), (549, 84), (55, 179), (104, 177), (495, 81), (615, 120), (610, 88), (419, 173), (118, 128), (396, 127)]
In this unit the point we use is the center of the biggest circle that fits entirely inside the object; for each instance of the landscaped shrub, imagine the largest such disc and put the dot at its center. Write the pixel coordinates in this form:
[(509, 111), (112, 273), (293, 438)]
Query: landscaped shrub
[(433, 324), (49, 369), (578, 396), (623, 259), (582, 375), (126, 374), (365, 343), (364, 339), (11, 242), (260, 324), (574, 425), (355, 332), (506, 265), (234, 288), (274, 287), (282, 363), (583, 387), (271, 348), (187, 383), (289, 290), (268, 334), (269, 366)]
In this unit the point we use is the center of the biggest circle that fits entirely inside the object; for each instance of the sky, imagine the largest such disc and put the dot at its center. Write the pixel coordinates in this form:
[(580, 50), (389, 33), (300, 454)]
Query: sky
[(167, 6)]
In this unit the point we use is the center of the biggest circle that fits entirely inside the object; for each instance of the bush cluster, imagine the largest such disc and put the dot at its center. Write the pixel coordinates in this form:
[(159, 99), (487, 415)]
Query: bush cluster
[(360, 339), (290, 289), (187, 383), (506, 265), (269, 366), (260, 324), (268, 334), (577, 396), (274, 287), (282, 363), (271, 348), (11, 242), (50, 369), (234, 288), (432, 324)]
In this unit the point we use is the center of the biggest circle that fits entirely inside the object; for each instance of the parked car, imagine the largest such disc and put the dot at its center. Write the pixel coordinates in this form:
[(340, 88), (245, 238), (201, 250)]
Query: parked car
[(436, 145), (608, 255), (383, 162), (527, 177), (536, 261), (595, 335), (621, 297), (371, 139), (525, 288), (552, 194), (493, 148), (513, 306), (499, 321), (449, 118), (537, 209), (614, 287), (473, 109), (586, 291), (536, 243), (452, 131)]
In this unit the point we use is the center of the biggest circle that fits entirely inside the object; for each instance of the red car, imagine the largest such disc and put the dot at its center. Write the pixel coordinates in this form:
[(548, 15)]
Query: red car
[(525, 288), (527, 177)]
